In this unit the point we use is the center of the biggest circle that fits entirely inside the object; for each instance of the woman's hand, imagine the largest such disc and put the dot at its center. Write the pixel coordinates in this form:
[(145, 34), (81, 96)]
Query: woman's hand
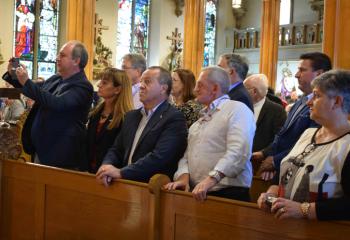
[(284, 208)]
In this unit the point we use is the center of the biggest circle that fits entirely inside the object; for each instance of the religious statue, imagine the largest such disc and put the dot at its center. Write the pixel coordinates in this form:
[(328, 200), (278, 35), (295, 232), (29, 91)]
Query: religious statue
[(103, 54), (174, 59)]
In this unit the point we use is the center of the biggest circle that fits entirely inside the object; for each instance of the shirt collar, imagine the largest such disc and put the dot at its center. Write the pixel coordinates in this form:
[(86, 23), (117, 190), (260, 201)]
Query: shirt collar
[(260, 103), (233, 85), (135, 88), (149, 113)]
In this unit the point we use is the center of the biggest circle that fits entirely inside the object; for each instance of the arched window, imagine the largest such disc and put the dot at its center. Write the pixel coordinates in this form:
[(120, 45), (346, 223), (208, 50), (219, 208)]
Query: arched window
[(210, 31), (133, 27), (35, 35)]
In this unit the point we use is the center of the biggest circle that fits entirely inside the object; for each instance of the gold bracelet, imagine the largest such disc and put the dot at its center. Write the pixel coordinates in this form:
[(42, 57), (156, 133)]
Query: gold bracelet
[(305, 209)]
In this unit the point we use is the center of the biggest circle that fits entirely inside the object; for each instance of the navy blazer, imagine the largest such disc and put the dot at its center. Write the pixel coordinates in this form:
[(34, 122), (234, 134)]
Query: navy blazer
[(55, 128), (161, 145), (270, 120), (289, 134), (240, 93)]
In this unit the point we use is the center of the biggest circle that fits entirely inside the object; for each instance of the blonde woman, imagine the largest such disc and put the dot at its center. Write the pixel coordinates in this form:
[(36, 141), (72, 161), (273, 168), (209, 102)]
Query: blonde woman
[(106, 119)]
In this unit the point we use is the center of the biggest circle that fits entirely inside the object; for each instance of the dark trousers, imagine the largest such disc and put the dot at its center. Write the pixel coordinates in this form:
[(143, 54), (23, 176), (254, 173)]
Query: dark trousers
[(235, 193)]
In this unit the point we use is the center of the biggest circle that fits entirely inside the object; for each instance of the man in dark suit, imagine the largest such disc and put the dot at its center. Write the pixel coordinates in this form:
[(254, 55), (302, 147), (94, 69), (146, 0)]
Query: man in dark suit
[(237, 68), (310, 66), (269, 116), (152, 139), (55, 127)]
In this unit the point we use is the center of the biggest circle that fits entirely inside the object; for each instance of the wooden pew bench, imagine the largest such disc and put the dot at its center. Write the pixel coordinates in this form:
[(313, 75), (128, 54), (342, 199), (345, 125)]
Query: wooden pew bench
[(39, 202), (182, 217)]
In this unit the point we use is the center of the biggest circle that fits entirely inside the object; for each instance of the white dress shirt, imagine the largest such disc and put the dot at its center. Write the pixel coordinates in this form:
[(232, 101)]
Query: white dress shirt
[(257, 108), (220, 140), (136, 96), (146, 116)]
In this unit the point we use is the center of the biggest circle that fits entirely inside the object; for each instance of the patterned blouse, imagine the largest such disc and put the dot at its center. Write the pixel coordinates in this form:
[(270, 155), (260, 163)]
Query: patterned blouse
[(190, 109)]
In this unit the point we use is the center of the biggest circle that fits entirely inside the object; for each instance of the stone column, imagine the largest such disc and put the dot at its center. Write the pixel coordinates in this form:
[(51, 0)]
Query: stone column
[(194, 35), (336, 32), (80, 26), (269, 39)]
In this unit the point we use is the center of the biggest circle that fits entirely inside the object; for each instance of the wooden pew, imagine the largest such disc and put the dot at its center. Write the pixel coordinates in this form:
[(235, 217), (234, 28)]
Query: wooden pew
[(183, 218), (39, 202)]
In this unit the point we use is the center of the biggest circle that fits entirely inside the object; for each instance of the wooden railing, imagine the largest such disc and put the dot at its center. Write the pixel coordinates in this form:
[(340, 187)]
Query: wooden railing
[(291, 34), (39, 202)]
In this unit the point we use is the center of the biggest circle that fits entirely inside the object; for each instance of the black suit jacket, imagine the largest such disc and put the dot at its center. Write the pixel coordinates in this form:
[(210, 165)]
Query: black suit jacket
[(55, 128), (271, 118), (240, 93), (98, 144), (160, 146)]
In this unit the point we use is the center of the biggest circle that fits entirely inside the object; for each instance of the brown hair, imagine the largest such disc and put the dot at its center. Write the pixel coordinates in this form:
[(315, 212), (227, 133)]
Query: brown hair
[(189, 81), (123, 102)]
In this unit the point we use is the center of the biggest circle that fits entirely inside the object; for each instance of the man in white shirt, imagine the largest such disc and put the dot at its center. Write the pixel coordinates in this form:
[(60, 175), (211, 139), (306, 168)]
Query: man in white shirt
[(134, 65), (217, 159)]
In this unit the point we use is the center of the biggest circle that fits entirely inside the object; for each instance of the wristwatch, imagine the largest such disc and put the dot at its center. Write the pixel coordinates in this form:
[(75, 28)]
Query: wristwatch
[(305, 208), (215, 174)]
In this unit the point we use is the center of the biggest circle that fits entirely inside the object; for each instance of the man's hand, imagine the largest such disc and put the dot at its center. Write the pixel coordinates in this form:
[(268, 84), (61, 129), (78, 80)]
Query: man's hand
[(258, 156), (107, 173), (267, 175), (201, 189), (181, 183), (267, 164), (22, 74)]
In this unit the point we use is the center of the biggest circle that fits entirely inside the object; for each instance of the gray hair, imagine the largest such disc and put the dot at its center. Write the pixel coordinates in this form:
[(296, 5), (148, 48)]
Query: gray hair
[(258, 81), (218, 76), (237, 62), (79, 51), (164, 77), (333, 83), (137, 61)]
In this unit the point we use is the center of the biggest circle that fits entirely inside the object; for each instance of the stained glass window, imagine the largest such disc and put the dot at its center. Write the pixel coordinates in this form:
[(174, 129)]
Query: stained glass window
[(133, 27), (38, 56), (210, 31)]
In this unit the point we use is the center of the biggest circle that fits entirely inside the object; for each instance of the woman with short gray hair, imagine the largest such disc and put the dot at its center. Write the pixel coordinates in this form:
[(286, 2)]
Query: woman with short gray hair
[(314, 182)]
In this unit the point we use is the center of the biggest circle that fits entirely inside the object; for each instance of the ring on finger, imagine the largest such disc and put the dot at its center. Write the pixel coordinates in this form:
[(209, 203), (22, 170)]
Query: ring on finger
[(282, 210)]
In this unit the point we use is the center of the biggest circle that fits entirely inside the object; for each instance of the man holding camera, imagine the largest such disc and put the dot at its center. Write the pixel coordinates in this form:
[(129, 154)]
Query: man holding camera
[(54, 130)]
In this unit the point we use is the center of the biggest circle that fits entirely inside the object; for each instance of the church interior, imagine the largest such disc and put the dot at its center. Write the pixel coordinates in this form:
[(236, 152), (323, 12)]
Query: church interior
[(41, 202)]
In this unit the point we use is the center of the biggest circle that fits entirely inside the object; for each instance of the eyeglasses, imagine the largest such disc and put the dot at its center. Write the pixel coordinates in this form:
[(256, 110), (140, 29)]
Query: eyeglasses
[(299, 159)]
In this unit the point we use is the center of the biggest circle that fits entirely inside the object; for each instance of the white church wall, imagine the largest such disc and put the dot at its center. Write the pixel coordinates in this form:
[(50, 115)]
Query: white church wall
[(252, 18), (6, 34), (108, 11), (163, 22), (303, 13)]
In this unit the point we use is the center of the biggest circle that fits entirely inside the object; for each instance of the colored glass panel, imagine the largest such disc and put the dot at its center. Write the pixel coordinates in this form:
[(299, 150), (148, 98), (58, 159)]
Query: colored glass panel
[(24, 22), (140, 33), (48, 37), (24, 32), (209, 35), (124, 28), (133, 25)]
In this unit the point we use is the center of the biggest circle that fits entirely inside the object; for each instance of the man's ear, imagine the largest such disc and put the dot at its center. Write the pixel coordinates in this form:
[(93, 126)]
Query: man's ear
[(164, 88), (319, 72), (338, 103)]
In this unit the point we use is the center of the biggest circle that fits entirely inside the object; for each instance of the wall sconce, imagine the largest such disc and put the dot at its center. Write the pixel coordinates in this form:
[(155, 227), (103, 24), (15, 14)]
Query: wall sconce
[(236, 3)]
